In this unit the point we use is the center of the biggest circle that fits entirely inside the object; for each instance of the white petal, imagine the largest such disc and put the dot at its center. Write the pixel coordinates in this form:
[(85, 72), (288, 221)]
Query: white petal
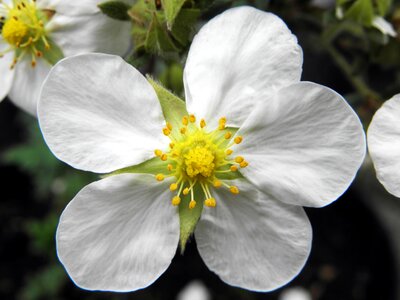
[(239, 54), (384, 144), (98, 113), (90, 33), (304, 146), (384, 26), (119, 233), (7, 75), (253, 242), (74, 8), (27, 83)]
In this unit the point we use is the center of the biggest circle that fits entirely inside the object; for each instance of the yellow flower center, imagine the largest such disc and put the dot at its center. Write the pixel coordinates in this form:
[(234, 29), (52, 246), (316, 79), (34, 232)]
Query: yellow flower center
[(197, 157), (23, 29)]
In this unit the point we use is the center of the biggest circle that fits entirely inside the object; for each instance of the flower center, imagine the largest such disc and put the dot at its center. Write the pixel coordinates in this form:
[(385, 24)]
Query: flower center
[(197, 157), (23, 29)]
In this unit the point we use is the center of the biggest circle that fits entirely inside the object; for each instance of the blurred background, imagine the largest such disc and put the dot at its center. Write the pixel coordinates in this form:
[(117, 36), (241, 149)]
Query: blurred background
[(356, 245)]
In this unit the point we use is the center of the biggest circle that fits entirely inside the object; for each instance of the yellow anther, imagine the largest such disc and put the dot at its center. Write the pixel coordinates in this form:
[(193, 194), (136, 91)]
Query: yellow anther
[(160, 177), (183, 130), (222, 123), (176, 201), (234, 190), (14, 31), (217, 183), (192, 204), (202, 123), (170, 167), (229, 151), (171, 145), (221, 126), (234, 168), (164, 157), (158, 152), (244, 164), (185, 191), (199, 161), (239, 159), (166, 131), (210, 202), (228, 135), (238, 139), (169, 126), (173, 186), (192, 118), (185, 120)]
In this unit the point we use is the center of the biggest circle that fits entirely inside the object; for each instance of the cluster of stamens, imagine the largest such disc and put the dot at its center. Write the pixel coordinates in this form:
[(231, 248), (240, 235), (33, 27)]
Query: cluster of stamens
[(198, 158), (22, 27)]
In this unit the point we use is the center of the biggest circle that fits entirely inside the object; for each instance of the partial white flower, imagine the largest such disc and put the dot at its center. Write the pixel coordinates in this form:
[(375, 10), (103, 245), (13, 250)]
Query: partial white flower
[(384, 26), (295, 293), (195, 290), (36, 34), (254, 145), (384, 144)]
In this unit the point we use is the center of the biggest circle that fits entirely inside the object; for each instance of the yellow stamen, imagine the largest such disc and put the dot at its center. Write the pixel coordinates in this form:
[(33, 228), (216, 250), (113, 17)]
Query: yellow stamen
[(238, 139), (158, 152), (192, 204), (234, 190), (239, 159), (160, 177), (228, 135), (185, 191), (170, 167), (202, 123), (234, 168), (166, 131), (171, 145), (169, 126), (217, 183), (185, 120), (164, 157), (176, 201), (229, 151), (210, 202), (244, 164), (173, 187), (183, 130), (192, 118)]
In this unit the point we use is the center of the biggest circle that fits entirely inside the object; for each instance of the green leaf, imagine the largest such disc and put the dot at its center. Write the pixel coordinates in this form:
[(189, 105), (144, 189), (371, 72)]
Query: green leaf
[(117, 10), (173, 108), (171, 9), (158, 40), (188, 218), (184, 25), (362, 11), (383, 6)]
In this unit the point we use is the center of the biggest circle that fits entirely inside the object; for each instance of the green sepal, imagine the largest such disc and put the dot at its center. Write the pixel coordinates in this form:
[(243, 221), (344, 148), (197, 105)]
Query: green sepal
[(171, 10), (52, 55), (188, 218), (152, 166), (184, 24), (157, 39), (173, 108), (383, 6), (362, 11), (117, 10)]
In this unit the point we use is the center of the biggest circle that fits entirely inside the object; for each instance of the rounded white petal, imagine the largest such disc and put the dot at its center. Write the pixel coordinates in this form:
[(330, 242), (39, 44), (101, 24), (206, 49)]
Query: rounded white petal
[(74, 7), (27, 83), (384, 144), (76, 34), (98, 113), (242, 53), (304, 145), (7, 75), (119, 233), (252, 241)]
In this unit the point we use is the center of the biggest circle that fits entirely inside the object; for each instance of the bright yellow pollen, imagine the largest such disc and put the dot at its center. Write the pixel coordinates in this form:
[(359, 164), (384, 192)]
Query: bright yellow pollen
[(210, 202), (234, 189), (238, 139), (14, 31), (173, 186), (239, 159), (176, 201), (192, 204), (199, 160)]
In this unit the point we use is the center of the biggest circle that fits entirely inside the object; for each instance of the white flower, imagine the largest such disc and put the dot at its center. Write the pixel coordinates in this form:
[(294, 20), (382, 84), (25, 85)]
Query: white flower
[(194, 290), (254, 146), (384, 144), (36, 34)]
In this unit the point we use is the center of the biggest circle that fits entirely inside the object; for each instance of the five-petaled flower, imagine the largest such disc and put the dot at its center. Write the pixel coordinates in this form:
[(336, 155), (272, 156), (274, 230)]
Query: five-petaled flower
[(35, 34), (252, 146), (384, 144)]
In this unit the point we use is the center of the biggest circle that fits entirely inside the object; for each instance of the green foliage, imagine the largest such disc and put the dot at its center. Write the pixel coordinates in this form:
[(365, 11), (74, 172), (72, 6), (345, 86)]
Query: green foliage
[(117, 10), (171, 10), (52, 55)]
